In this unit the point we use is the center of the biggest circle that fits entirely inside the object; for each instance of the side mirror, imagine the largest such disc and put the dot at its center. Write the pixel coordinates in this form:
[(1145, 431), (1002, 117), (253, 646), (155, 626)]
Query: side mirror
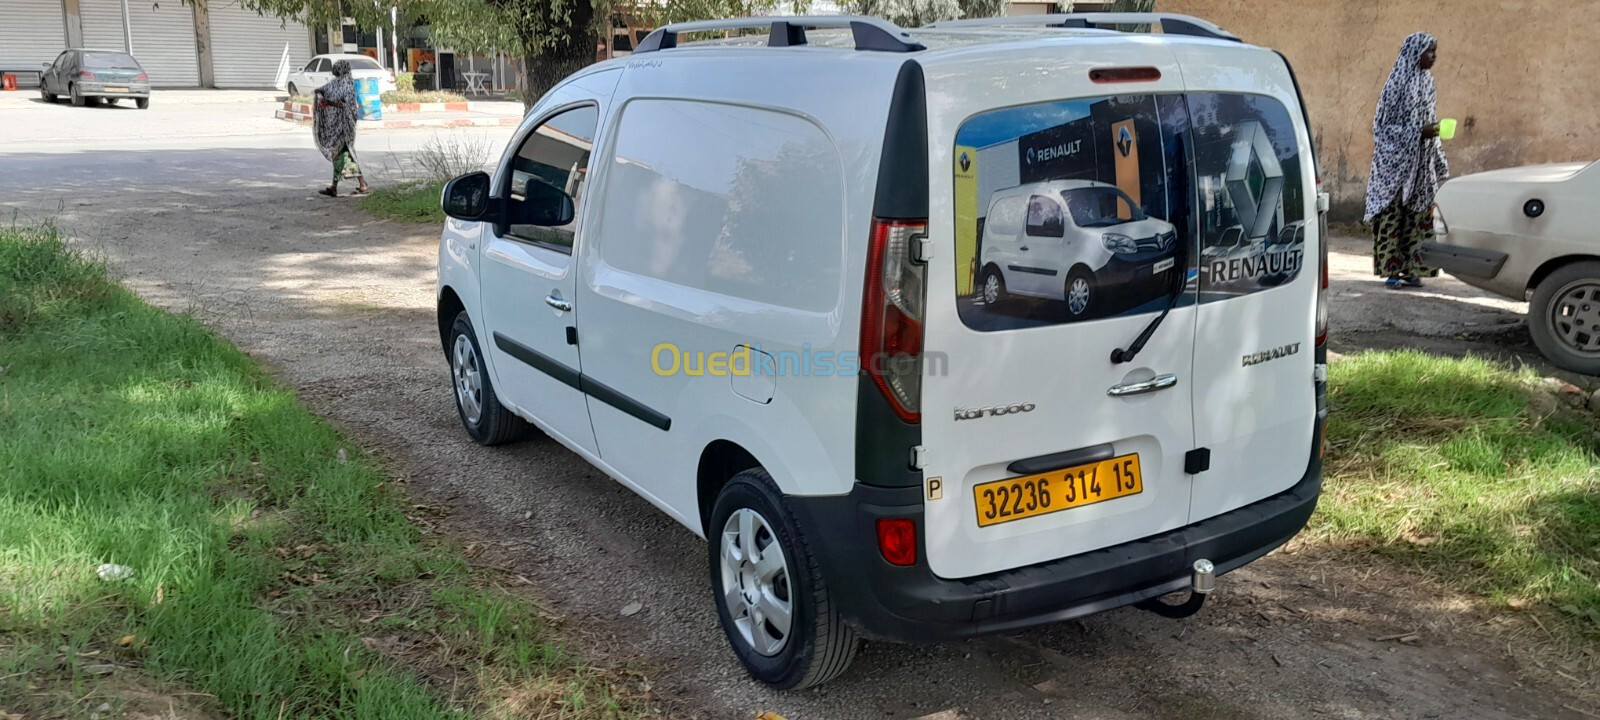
[(466, 197), (45, 65), (545, 205)]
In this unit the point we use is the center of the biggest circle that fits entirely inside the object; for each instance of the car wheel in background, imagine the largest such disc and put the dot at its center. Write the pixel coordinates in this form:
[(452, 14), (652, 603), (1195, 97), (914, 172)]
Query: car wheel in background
[(142, 103), (1564, 317), (772, 600), (485, 419), (293, 90), (46, 95), (1079, 291), (77, 99), (993, 286)]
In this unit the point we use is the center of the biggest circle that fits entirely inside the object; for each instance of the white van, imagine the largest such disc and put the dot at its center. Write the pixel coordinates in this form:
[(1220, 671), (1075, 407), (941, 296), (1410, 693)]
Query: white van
[(1070, 240), (741, 278)]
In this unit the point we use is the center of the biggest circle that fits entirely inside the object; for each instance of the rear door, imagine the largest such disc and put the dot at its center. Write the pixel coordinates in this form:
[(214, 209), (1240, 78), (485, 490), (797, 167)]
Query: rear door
[(1043, 446), (1254, 395)]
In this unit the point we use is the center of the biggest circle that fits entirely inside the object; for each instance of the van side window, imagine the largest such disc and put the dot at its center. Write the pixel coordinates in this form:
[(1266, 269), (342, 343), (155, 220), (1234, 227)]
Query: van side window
[(547, 179), (1044, 218), (743, 202), (1006, 217)]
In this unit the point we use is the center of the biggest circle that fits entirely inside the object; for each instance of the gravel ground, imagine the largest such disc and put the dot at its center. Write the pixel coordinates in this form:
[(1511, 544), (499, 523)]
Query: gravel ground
[(341, 306)]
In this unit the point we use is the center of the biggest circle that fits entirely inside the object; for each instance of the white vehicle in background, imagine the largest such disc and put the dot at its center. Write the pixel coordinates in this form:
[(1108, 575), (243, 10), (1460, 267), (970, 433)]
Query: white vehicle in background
[(1530, 231), (1077, 241), (881, 467), (319, 72)]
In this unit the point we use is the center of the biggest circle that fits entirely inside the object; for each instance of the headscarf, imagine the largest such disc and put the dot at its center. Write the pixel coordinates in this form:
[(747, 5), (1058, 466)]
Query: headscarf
[(1403, 165), (335, 125)]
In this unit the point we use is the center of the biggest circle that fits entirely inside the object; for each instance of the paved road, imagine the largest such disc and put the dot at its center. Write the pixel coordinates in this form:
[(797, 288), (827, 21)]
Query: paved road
[(224, 223)]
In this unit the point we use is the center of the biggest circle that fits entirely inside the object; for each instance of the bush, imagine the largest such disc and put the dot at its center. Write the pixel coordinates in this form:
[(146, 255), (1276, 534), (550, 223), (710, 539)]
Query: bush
[(412, 96), (405, 82)]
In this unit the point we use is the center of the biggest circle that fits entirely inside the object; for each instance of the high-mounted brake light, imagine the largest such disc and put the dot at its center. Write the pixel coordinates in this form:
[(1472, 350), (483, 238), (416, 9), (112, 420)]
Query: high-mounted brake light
[(1121, 75), (897, 541), (892, 314)]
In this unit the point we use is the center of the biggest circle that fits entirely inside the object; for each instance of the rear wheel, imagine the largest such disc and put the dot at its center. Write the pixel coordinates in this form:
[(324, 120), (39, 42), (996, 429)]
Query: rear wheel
[(772, 600), (142, 103), (485, 419), (1564, 317), (993, 286), (77, 97), (1079, 292)]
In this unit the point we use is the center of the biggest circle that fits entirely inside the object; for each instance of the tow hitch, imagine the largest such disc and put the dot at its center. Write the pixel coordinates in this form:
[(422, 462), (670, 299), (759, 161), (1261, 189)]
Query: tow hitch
[(1201, 583)]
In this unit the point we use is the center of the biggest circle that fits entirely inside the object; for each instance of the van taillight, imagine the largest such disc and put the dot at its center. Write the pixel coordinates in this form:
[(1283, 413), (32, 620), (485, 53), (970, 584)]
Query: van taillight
[(1322, 288), (892, 314)]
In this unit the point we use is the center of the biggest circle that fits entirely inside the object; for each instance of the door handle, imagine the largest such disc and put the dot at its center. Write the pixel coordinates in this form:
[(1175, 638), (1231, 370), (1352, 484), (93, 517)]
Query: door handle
[(555, 301), (1024, 248), (1159, 382)]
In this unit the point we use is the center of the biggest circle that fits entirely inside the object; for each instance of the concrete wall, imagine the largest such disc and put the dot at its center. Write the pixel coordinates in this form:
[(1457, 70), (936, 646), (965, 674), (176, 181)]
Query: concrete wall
[(1522, 76)]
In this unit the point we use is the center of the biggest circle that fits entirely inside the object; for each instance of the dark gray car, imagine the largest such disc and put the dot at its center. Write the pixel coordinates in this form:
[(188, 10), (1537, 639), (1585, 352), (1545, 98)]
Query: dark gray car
[(89, 76)]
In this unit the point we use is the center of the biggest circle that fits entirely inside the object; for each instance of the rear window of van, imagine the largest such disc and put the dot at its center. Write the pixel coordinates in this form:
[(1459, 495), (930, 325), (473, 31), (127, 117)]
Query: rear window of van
[(1201, 195)]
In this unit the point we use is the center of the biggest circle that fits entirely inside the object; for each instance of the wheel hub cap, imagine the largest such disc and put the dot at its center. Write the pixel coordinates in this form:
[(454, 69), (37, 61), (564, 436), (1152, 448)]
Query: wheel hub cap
[(755, 582), (991, 289), (1078, 295), (1575, 317), (468, 382)]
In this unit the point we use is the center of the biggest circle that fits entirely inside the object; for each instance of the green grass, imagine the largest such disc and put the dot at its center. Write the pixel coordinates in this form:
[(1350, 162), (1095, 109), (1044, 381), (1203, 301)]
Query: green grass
[(276, 574), (1471, 472), (414, 203)]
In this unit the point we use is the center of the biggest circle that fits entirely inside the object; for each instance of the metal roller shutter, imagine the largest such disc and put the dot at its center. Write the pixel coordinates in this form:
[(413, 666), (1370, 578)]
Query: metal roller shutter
[(163, 37), (247, 49), (31, 32)]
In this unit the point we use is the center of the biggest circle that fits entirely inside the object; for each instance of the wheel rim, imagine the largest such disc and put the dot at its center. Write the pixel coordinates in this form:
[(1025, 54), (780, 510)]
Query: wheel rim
[(755, 582), (468, 379), (1574, 317), (991, 288), (1078, 295)]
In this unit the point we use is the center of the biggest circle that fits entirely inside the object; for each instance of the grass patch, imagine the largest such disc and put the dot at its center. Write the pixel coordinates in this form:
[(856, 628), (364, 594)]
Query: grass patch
[(421, 96), (275, 573), (413, 203), (1469, 471)]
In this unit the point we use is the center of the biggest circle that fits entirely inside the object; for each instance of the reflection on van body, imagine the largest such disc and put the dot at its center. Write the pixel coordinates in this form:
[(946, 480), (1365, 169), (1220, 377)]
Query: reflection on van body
[(1081, 242), (1239, 265)]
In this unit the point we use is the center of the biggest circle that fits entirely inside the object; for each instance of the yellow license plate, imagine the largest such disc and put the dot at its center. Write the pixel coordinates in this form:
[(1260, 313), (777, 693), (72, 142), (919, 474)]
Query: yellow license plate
[(112, 89), (1034, 495)]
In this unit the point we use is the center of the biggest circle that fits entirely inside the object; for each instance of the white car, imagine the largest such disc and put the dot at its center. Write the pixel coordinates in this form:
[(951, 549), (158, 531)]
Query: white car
[(1075, 241), (319, 72), (1528, 233), (750, 302)]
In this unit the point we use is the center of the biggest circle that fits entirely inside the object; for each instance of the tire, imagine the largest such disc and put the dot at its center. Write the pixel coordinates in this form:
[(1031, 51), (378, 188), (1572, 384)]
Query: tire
[(994, 295), (1079, 292), (485, 419), (817, 645), (46, 95), (1564, 317), (142, 103), (293, 91), (77, 100)]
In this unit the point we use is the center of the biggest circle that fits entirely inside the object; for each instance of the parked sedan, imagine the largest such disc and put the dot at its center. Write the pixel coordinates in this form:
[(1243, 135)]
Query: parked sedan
[(319, 72), (90, 76), (1530, 230)]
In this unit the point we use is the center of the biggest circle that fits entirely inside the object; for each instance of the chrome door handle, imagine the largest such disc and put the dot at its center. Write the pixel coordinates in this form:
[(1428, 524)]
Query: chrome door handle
[(1159, 382), (555, 301)]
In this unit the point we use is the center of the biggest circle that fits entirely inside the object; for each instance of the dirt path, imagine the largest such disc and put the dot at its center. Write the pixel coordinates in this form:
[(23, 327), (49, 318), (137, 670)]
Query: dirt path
[(342, 306)]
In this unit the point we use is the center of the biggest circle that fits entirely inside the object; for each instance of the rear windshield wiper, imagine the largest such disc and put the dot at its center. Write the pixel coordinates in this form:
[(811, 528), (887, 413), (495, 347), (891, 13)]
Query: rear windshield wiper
[(1180, 271)]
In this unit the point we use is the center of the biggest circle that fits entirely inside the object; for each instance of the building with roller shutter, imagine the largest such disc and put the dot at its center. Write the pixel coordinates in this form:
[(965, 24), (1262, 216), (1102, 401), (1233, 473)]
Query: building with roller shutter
[(211, 43)]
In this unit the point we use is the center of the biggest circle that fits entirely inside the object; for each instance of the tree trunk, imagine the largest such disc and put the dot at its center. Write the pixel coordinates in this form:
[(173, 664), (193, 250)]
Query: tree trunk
[(574, 51)]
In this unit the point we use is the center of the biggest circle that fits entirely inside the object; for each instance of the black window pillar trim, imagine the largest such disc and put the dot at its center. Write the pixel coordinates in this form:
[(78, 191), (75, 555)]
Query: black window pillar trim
[(578, 381)]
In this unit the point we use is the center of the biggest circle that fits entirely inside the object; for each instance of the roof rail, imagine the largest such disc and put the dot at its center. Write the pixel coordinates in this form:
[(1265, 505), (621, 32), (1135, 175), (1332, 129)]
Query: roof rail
[(1170, 23), (870, 33)]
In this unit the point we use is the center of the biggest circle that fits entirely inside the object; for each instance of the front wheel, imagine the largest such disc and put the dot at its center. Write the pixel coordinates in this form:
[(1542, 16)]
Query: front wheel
[(46, 95), (1564, 317), (1079, 292), (294, 91), (993, 286), (485, 419), (774, 605)]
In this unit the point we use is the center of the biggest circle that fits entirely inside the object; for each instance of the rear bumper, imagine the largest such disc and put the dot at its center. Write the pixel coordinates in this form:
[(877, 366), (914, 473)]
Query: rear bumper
[(119, 91), (911, 604), (1463, 261)]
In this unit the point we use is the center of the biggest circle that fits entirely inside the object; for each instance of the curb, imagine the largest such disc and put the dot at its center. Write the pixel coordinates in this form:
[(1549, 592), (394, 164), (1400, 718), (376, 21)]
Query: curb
[(305, 108), (504, 121)]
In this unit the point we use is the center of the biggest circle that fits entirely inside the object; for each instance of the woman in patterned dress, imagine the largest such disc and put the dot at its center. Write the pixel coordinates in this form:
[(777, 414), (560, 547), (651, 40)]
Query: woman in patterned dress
[(334, 123), (1408, 165)]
